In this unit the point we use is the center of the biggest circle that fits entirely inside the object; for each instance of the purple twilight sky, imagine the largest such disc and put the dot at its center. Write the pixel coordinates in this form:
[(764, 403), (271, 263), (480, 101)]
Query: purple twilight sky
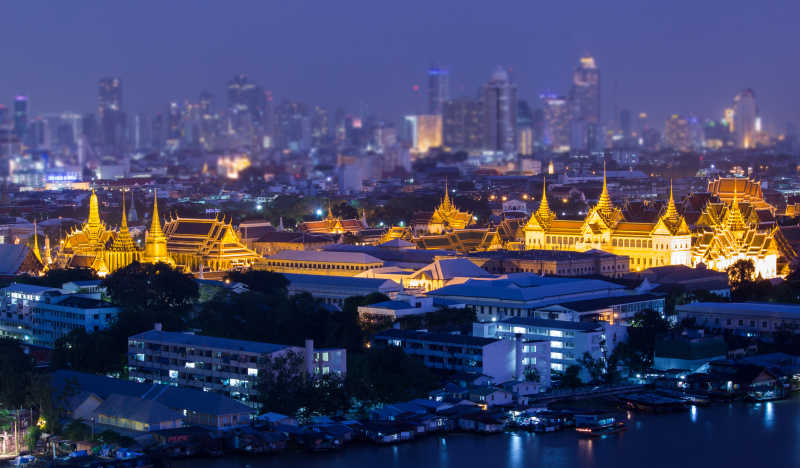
[(659, 57)]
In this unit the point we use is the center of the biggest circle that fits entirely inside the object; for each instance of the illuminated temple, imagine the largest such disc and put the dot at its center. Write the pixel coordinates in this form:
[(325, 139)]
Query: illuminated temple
[(199, 244), (188, 243), (446, 217), (666, 241), (335, 225), (741, 227)]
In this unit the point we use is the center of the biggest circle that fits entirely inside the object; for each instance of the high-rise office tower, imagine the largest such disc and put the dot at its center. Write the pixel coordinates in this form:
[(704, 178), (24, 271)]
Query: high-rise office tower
[(246, 103), (462, 124), (20, 116), (500, 112), (585, 91), (109, 110), (319, 125), (524, 128), (557, 119), (438, 89), (676, 133), (745, 112)]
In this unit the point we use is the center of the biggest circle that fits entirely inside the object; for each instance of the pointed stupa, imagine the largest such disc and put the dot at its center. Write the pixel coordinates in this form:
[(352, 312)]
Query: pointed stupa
[(280, 224), (604, 203), (123, 242), (446, 203), (330, 210), (133, 216), (155, 245), (672, 211), (48, 259), (364, 218), (36, 252), (94, 211)]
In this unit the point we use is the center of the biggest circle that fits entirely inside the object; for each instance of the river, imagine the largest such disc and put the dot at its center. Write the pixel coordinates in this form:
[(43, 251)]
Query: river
[(730, 435)]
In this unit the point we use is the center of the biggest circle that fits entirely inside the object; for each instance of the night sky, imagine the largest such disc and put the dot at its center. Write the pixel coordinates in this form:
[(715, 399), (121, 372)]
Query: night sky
[(660, 57)]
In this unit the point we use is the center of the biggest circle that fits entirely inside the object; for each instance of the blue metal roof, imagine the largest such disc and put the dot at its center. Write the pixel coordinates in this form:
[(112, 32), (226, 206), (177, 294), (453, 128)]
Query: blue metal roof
[(201, 341)]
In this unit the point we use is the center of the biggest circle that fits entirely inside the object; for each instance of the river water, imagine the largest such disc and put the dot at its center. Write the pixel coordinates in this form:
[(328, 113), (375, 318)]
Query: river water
[(730, 435)]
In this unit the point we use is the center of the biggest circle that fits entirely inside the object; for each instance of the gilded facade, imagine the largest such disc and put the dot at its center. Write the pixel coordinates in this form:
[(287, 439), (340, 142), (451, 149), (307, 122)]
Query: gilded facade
[(667, 241)]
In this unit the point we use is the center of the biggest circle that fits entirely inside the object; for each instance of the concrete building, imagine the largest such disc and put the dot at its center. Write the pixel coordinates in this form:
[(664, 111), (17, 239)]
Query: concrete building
[(321, 263), (492, 357), (615, 310), (552, 262), (743, 318), (335, 289), (214, 364), (521, 294), (39, 315), (568, 341)]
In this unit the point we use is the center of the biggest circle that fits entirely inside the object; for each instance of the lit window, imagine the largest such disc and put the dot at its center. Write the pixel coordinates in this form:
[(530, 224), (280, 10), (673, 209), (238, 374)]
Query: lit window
[(173, 374), (556, 333), (190, 365), (252, 372)]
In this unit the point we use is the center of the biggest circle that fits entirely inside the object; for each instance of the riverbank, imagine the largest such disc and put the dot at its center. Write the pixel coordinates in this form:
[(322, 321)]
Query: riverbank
[(732, 434)]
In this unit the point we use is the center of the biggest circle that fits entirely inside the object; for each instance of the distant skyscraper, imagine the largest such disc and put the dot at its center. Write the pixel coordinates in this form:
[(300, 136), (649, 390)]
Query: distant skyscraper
[(500, 112), (625, 120), (20, 116), (246, 103), (585, 92), (524, 128), (438, 89), (745, 112), (319, 125), (109, 109), (557, 119), (4, 116), (676, 133), (462, 124)]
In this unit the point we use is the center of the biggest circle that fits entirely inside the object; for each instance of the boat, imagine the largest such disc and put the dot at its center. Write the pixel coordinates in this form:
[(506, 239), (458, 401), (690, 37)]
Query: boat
[(598, 424), (23, 460)]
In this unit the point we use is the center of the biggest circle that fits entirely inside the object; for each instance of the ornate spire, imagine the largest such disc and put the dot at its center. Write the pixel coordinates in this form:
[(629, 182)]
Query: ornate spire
[(123, 242), (446, 203), (94, 211), (672, 211), (544, 207), (36, 251), (280, 224), (604, 203), (155, 223), (330, 210), (155, 245)]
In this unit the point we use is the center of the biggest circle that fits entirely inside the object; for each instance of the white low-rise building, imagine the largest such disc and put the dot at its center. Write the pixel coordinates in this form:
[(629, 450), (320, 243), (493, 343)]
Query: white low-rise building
[(746, 318)]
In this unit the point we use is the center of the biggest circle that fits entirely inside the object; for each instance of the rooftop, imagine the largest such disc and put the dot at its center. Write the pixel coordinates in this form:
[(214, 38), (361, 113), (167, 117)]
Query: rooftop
[(526, 287), (296, 279), (325, 256), (589, 305), (465, 340), (761, 309), (201, 341), (547, 323)]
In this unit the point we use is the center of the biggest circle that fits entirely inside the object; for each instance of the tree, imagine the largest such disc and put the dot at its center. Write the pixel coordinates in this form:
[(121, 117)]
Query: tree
[(571, 377), (274, 286), (638, 351), (16, 374), (151, 293), (381, 375), (740, 278), (32, 437), (595, 367), (284, 386)]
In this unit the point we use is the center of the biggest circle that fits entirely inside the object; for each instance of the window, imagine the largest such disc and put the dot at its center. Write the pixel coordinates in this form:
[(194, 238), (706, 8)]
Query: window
[(173, 374), (252, 372)]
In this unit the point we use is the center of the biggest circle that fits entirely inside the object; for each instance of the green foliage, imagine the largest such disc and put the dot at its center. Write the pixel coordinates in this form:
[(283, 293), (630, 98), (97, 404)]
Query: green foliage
[(16, 374), (382, 375), (446, 318), (146, 294), (571, 377), (32, 436), (111, 437), (56, 277), (286, 388), (77, 431), (638, 351)]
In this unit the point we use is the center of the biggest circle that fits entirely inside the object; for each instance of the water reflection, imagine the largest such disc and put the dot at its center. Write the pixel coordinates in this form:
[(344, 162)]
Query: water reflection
[(515, 451), (769, 416), (586, 451), (693, 413)]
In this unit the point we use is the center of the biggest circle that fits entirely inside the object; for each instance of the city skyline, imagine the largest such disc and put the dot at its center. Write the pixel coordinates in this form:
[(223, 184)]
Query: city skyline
[(697, 73)]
